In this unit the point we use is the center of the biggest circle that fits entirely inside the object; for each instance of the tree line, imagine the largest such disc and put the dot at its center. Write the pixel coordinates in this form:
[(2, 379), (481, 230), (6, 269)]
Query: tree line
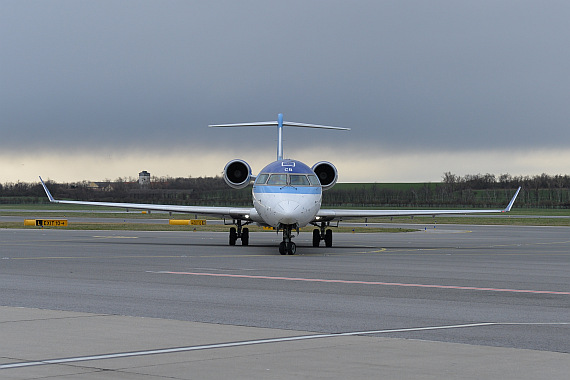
[(479, 190), (472, 190)]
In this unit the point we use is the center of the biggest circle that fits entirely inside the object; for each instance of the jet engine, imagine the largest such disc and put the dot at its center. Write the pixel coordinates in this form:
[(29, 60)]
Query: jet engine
[(327, 174), (237, 174)]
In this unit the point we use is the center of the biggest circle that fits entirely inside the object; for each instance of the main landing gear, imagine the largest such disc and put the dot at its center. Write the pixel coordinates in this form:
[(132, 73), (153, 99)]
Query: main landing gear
[(239, 232), (322, 233), (287, 247)]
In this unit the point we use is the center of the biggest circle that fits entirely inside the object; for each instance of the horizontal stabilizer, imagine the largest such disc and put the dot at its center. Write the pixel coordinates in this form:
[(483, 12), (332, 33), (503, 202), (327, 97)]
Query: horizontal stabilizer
[(301, 125), (260, 124), (280, 123), (275, 124)]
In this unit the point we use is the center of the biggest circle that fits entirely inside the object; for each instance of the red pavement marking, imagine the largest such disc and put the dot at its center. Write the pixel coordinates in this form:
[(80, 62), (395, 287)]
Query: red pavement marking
[(367, 283)]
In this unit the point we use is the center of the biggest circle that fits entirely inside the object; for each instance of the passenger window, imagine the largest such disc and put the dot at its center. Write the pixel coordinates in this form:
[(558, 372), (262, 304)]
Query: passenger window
[(261, 179), (298, 180), (314, 180), (278, 179)]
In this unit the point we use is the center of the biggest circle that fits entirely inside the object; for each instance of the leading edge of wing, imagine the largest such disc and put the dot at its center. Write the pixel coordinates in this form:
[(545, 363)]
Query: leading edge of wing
[(233, 212), (331, 214)]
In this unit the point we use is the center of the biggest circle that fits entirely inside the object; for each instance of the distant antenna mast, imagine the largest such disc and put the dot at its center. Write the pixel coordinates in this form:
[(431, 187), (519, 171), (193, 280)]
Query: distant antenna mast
[(280, 124)]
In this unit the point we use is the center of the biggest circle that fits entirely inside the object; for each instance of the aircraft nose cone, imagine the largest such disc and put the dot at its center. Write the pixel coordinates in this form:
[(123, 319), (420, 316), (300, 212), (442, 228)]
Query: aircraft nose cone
[(288, 212)]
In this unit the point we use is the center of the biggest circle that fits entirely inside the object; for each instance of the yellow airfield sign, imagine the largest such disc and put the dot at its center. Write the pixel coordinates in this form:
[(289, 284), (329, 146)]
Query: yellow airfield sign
[(46, 222), (185, 222)]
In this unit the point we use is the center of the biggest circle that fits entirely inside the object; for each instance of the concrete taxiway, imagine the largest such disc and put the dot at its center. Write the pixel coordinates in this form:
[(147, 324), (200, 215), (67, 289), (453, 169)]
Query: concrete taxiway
[(450, 302)]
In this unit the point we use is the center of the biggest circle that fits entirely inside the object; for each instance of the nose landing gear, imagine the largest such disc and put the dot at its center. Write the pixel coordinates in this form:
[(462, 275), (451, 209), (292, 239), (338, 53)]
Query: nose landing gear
[(287, 247)]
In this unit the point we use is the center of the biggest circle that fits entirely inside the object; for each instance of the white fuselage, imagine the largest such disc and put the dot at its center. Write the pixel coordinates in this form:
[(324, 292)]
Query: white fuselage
[(286, 208), (287, 193)]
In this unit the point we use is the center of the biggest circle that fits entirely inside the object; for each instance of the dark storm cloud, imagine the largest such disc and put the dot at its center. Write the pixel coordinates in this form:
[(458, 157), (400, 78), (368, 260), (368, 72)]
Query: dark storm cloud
[(403, 74)]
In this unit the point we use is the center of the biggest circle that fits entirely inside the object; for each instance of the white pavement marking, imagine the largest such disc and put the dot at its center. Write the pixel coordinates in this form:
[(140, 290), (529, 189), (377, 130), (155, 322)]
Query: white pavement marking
[(249, 343), (224, 345)]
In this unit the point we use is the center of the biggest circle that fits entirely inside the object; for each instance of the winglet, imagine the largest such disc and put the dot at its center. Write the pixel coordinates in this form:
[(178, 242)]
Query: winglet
[(508, 208), (50, 197)]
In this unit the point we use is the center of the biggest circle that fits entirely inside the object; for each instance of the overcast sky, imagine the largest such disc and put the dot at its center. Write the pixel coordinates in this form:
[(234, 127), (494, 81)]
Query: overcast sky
[(105, 89)]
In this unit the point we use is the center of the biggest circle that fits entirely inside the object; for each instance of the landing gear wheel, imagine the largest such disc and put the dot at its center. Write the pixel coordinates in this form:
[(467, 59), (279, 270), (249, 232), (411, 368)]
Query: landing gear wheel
[(291, 248), (245, 236), (287, 247), (233, 236), (316, 237), (328, 238)]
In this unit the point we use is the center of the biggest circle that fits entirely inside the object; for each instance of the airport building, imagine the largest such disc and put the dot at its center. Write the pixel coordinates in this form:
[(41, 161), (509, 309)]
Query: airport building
[(144, 179)]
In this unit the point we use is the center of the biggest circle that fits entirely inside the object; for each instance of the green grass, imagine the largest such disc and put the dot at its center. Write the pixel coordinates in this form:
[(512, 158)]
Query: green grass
[(50, 206), (540, 211), (515, 211), (89, 214), (482, 220)]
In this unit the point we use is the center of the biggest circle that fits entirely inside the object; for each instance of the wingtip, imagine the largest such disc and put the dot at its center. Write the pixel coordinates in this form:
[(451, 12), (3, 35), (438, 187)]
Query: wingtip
[(508, 208), (50, 197)]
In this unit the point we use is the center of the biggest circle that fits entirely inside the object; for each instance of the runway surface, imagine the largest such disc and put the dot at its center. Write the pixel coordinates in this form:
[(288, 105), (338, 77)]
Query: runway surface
[(484, 286)]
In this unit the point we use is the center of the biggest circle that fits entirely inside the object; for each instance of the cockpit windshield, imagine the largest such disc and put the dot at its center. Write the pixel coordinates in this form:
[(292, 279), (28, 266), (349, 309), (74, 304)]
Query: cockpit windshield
[(298, 180), (287, 179), (314, 180), (277, 179), (261, 179)]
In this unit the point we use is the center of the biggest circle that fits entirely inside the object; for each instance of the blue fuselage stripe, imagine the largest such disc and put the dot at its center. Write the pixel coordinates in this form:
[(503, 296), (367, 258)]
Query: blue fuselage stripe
[(264, 189)]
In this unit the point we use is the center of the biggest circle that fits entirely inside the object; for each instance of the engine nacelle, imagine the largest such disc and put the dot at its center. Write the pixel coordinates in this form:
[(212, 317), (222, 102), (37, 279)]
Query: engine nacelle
[(327, 174), (237, 174)]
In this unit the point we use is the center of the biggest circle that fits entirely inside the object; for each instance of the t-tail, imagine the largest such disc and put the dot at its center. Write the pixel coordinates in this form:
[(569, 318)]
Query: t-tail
[(279, 124)]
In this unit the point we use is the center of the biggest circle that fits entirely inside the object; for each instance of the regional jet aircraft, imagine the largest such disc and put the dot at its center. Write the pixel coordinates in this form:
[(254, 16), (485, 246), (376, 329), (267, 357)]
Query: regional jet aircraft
[(287, 195)]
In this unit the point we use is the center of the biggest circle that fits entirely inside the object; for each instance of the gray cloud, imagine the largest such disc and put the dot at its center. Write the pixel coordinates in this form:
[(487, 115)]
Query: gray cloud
[(440, 75)]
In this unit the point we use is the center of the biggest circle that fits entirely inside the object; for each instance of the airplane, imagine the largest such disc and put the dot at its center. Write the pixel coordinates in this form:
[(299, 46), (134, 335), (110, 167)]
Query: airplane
[(286, 195)]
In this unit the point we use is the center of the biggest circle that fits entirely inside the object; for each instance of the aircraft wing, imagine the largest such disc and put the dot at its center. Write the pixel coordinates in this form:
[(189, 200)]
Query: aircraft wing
[(325, 215), (231, 212)]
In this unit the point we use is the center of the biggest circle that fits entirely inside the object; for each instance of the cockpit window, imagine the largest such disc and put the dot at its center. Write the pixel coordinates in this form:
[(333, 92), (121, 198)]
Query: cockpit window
[(298, 180), (261, 179), (314, 180), (278, 179), (287, 179)]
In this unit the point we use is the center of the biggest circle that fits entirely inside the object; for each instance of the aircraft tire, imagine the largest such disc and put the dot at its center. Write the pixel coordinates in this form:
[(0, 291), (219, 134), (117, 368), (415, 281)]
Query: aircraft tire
[(233, 236), (291, 248), (316, 237), (245, 236), (282, 248), (328, 238)]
